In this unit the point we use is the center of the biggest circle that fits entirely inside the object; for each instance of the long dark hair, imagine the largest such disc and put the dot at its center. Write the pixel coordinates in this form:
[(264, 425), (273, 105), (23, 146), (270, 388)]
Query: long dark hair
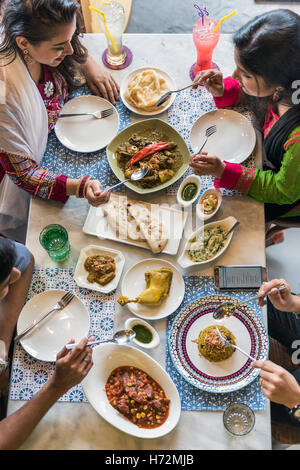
[(269, 46), (36, 21), (7, 258)]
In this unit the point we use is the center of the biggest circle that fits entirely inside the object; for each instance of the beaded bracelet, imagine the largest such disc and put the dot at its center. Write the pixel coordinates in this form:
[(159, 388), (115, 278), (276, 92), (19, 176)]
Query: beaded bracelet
[(81, 185)]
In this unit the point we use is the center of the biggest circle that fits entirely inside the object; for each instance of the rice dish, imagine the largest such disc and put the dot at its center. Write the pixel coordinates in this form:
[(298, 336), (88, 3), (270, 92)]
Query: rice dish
[(210, 345)]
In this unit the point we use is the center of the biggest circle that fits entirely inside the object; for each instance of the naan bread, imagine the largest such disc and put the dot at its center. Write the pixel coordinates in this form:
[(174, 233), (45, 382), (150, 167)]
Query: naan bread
[(151, 226), (145, 89), (121, 221)]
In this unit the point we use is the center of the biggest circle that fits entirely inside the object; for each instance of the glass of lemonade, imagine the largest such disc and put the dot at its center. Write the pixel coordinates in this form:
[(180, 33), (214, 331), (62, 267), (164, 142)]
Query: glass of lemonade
[(115, 21), (54, 239), (205, 40), (238, 419)]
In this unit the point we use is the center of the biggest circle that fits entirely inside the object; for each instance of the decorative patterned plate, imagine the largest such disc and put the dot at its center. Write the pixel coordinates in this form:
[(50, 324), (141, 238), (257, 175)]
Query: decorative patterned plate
[(218, 377)]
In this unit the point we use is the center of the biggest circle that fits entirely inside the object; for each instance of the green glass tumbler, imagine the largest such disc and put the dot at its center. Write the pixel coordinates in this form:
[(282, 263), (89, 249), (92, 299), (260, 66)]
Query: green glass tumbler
[(54, 239)]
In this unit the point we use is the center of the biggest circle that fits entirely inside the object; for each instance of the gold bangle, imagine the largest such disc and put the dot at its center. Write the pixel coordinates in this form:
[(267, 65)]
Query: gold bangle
[(85, 186), (78, 187)]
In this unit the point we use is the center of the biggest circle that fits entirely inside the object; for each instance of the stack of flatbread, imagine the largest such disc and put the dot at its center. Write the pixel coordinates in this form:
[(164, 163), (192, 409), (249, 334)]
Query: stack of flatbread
[(136, 222), (145, 89)]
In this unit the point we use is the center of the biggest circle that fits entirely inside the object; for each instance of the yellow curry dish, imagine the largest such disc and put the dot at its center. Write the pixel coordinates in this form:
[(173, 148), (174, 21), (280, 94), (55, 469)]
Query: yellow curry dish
[(158, 283), (101, 269), (207, 244), (153, 149), (210, 346)]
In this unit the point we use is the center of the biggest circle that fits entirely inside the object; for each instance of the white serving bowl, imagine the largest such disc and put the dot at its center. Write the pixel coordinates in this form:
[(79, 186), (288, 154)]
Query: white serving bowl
[(185, 262), (80, 274), (199, 210), (189, 179), (106, 358), (131, 322)]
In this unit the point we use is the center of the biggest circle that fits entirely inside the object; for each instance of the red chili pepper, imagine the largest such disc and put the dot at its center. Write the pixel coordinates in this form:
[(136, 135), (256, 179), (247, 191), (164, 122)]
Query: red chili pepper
[(148, 150)]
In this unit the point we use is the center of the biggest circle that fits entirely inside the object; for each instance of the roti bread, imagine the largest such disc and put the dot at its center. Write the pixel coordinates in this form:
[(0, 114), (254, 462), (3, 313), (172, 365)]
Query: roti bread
[(150, 226)]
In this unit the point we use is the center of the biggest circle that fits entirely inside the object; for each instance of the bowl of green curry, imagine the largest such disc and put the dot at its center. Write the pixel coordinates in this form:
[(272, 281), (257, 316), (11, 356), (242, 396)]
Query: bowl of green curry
[(141, 144)]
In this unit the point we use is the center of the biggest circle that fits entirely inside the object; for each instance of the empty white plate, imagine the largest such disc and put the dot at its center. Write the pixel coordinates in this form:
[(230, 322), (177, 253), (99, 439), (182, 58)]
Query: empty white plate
[(49, 337), (234, 140), (86, 133)]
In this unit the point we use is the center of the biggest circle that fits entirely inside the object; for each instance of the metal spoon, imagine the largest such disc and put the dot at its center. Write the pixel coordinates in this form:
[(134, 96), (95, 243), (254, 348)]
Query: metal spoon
[(135, 176), (120, 337), (231, 229), (227, 308), (224, 341)]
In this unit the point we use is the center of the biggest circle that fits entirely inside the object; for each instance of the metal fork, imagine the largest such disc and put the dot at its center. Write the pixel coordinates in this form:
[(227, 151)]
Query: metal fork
[(97, 114), (224, 341), (166, 95), (60, 305), (209, 131)]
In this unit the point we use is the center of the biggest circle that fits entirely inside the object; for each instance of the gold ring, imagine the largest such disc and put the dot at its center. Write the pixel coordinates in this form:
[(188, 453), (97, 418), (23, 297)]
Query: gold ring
[(261, 381)]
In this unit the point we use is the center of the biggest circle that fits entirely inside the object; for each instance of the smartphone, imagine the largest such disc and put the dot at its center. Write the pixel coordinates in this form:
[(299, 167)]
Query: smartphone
[(239, 277)]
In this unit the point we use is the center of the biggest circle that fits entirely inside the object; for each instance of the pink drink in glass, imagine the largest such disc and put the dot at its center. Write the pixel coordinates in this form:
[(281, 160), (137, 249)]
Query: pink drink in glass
[(205, 40)]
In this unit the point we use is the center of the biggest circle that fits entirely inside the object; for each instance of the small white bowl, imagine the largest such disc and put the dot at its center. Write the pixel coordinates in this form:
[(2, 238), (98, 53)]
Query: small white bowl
[(131, 322), (200, 213), (185, 262), (189, 179), (80, 274)]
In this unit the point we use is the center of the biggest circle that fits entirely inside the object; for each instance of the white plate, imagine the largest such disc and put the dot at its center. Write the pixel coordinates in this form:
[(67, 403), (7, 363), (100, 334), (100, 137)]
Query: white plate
[(96, 224), (134, 284), (234, 140), (165, 75), (49, 337), (106, 358), (86, 133), (80, 274), (185, 262)]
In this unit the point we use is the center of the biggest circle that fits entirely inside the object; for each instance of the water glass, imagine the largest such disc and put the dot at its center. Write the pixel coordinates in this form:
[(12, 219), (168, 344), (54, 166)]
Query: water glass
[(238, 419), (54, 239)]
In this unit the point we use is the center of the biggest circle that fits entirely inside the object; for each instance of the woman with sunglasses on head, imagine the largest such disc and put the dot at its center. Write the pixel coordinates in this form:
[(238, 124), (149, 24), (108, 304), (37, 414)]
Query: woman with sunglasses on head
[(41, 61), (267, 56)]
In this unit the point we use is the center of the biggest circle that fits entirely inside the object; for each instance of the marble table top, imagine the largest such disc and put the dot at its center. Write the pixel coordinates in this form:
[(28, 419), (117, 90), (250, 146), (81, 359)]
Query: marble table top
[(77, 426)]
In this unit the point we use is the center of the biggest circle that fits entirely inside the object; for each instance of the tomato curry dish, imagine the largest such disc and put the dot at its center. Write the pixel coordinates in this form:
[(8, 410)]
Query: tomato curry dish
[(154, 150), (137, 396)]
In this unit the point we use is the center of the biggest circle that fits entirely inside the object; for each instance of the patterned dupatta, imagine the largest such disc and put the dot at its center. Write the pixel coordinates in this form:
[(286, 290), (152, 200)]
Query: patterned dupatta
[(24, 132)]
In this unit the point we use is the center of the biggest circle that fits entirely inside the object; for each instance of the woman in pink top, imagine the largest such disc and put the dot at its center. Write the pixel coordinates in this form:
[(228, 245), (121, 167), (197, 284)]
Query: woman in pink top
[(41, 62), (267, 56)]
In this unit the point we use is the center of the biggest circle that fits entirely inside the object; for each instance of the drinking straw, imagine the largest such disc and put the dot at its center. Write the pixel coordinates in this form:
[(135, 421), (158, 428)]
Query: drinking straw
[(105, 27), (223, 19), (202, 12)]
